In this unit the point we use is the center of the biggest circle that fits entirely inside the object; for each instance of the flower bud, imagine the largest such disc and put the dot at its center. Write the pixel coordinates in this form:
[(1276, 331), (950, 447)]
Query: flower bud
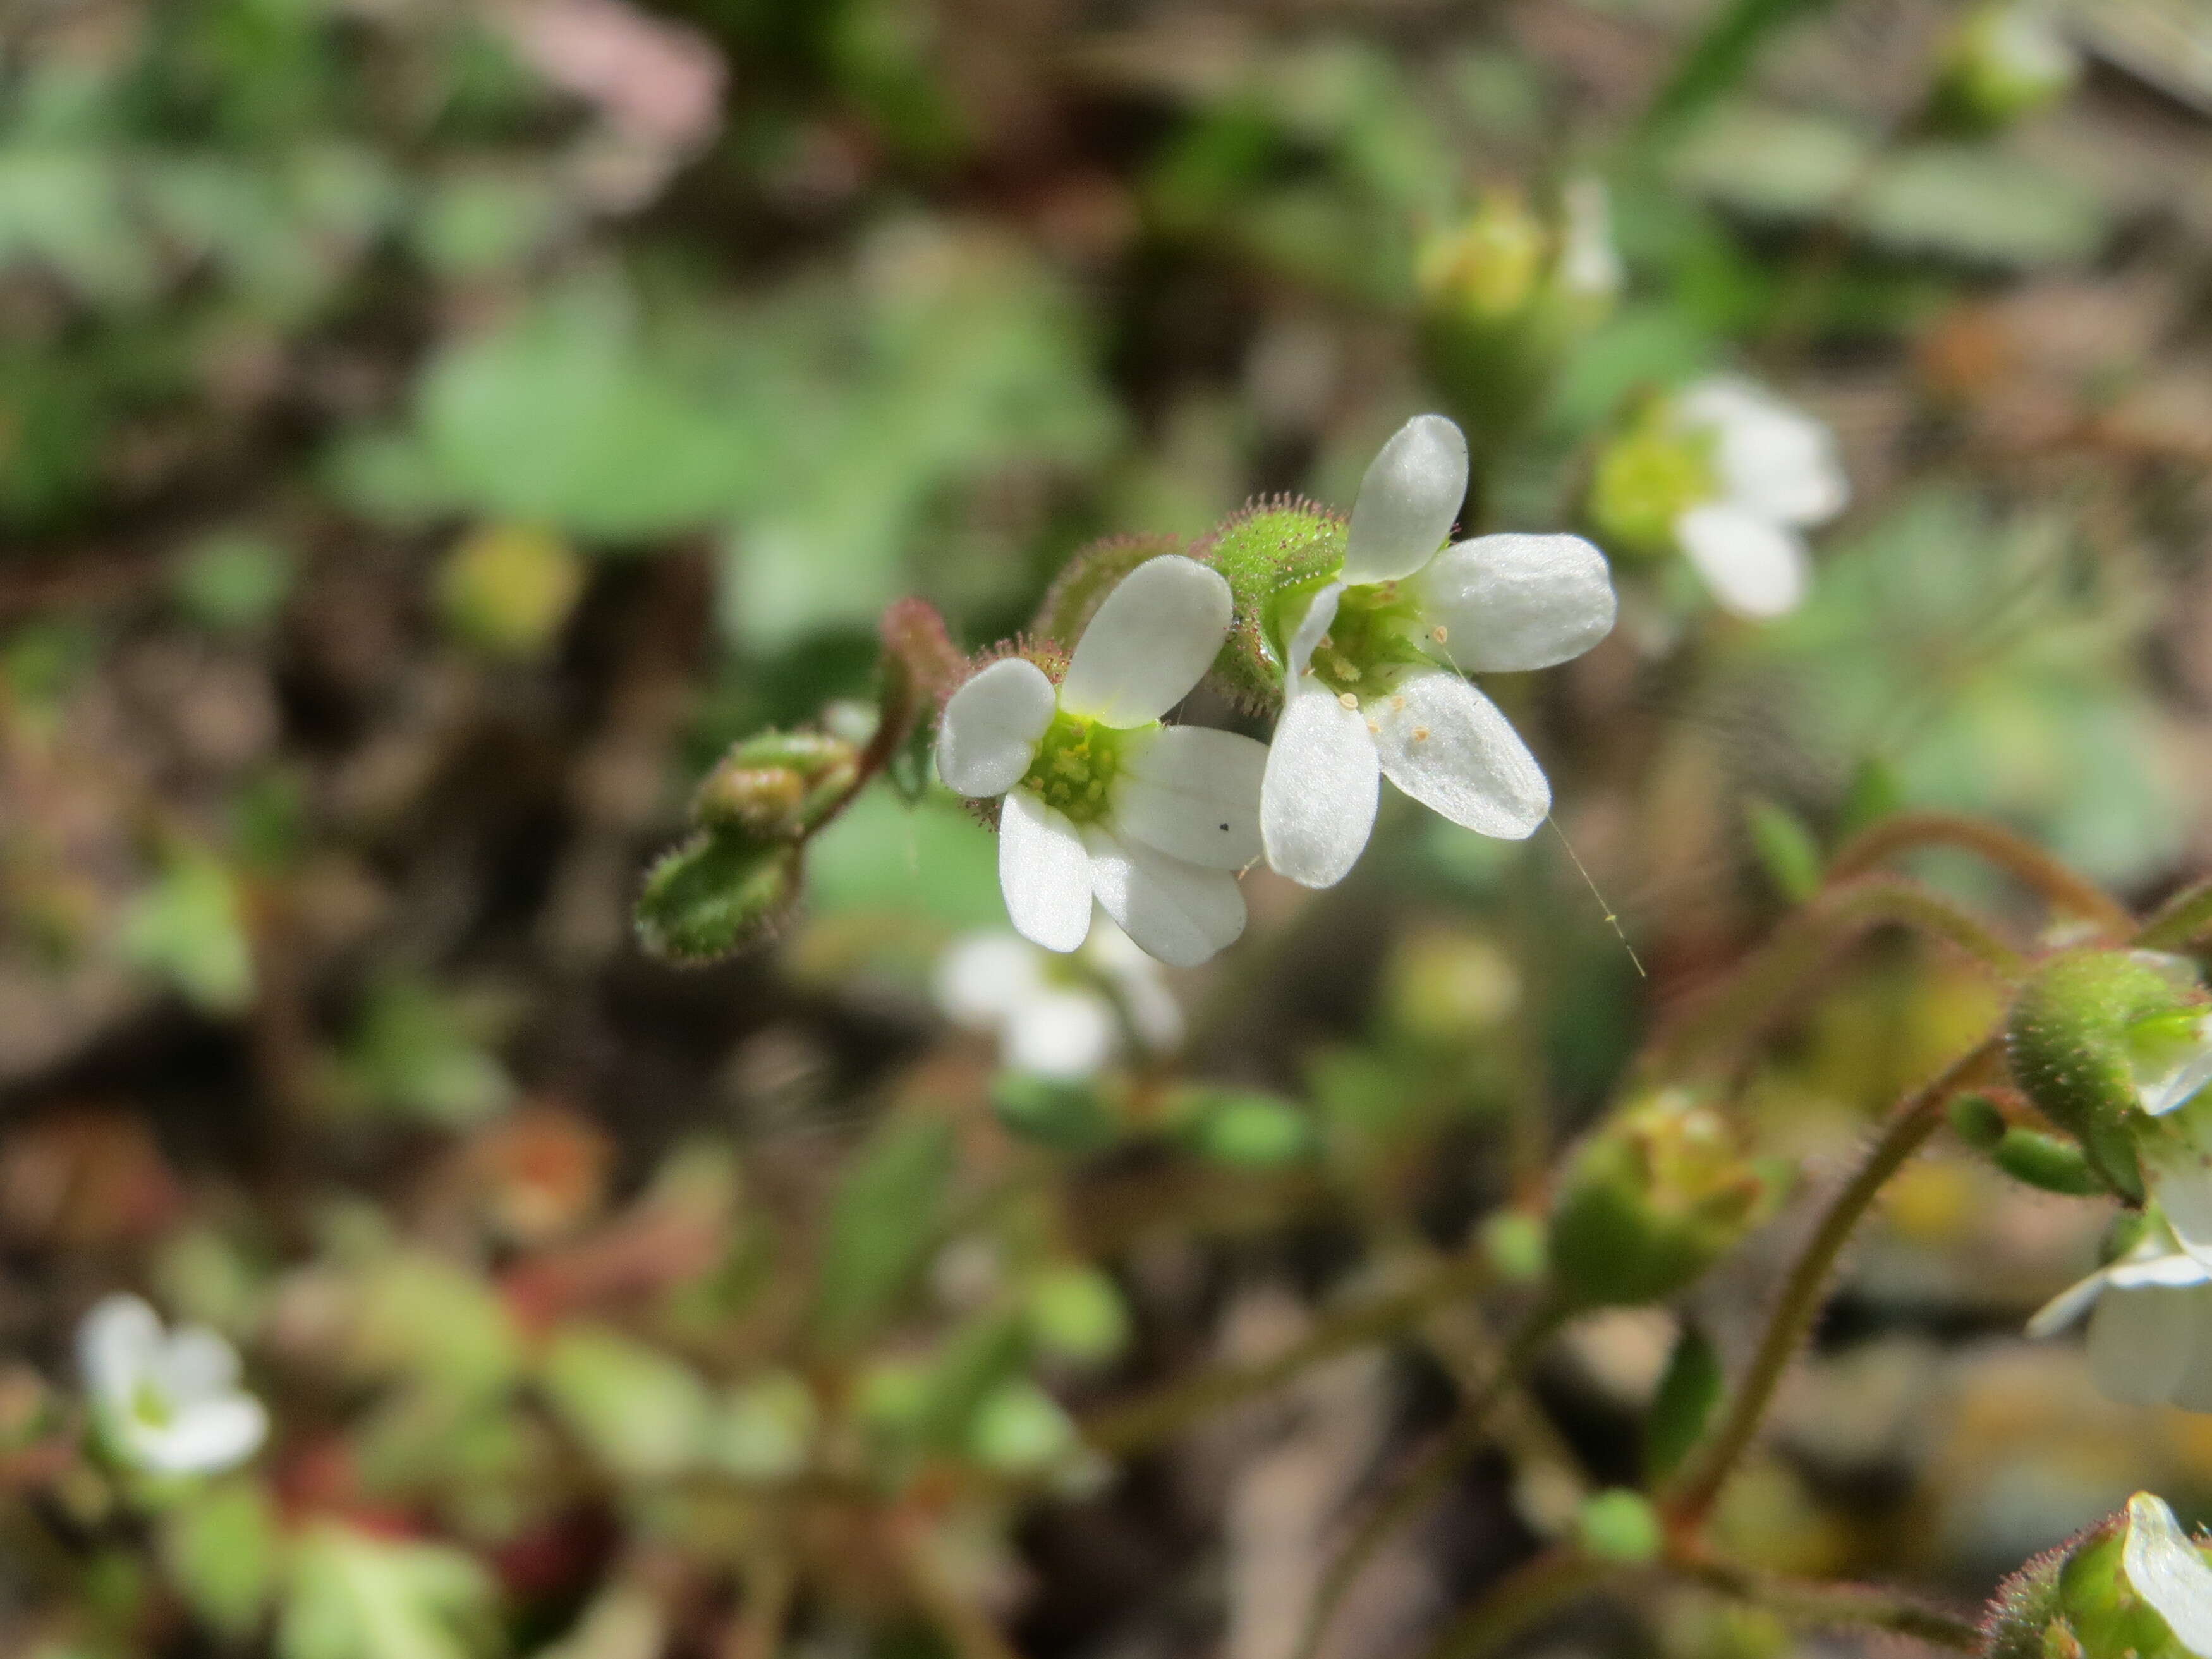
[(1504, 295), (2005, 60), (508, 589), (775, 786), (2134, 1584), (718, 892), (1652, 1200), (1275, 556), (2097, 1038)]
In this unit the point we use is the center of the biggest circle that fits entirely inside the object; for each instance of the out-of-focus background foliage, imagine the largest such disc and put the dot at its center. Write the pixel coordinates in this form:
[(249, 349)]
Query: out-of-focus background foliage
[(430, 430)]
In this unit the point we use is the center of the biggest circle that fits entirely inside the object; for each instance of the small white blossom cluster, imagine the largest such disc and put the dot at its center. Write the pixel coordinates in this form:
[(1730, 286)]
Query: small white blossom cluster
[(1099, 799), (1058, 1017), (166, 1403), (1774, 475)]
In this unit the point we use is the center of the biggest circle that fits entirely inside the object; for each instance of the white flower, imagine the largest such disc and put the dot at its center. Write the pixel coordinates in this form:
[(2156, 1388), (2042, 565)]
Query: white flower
[(1775, 473), (1373, 673), (2150, 1335), (1590, 265), (1055, 1017), (168, 1403), (1099, 798), (2168, 1571), (2171, 1062)]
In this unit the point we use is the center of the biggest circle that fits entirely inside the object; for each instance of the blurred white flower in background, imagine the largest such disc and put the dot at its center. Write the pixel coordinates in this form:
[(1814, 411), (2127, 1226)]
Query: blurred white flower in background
[(2168, 1571), (1054, 1016), (168, 1403), (1774, 473)]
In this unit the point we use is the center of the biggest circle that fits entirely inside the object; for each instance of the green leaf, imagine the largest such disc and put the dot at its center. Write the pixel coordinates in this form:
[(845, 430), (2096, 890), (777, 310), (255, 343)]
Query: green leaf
[(1786, 848), (353, 1596), (1980, 206), (1723, 56), (643, 1414), (414, 1054), (221, 1549), (882, 1225), (189, 929), (1688, 1391)]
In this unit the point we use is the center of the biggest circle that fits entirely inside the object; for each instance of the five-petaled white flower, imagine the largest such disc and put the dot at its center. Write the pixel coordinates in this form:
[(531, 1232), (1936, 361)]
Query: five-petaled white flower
[(1099, 797), (168, 1403), (1057, 1017), (1374, 673), (2150, 1331), (1774, 473)]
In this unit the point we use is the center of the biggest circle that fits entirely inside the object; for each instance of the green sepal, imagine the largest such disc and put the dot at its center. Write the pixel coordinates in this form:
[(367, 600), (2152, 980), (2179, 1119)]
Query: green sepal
[(2049, 1162), (1093, 572), (1975, 1119), (1269, 553), (1064, 1113), (717, 893), (776, 786), (1688, 1391)]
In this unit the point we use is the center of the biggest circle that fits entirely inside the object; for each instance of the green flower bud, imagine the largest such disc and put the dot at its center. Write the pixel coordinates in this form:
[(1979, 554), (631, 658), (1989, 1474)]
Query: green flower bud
[(1504, 295), (1620, 1525), (508, 589), (718, 892), (2132, 1587), (764, 1429), (776, 786), (1976, 1119), (2096, 1039), (1651, 1201), (2005, 60), (1275, 556), (1018, 1428), (1244, 1128), (1075, 1313)]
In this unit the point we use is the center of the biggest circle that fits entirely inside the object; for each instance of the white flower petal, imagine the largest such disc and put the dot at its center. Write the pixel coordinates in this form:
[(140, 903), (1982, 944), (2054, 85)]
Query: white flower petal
[(2166, 1570), (2138, 1344), (1320, 614), (982, 979), (1774, 461), (2175, 1270), (1407, 502), (2173, 1076), (1755, 567), (1179, 913), (1194, 793), (1518, 601), (196, 1365), (2068, 1305), (118, 1345), (1060, 1033), (2181, 1180), (2193, 1393), (1043, 873), (1318, 796), (1589, 262), (992, 724), (207, 1437), (1150, 642), (1448, 746)]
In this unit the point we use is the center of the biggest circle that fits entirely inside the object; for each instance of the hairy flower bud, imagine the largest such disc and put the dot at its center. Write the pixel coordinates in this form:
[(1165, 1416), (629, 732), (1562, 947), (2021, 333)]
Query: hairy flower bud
[(2098, 1038), (2132, 1587), (774, 785), (1650, 1200), (2005, 60), (1275, 556)]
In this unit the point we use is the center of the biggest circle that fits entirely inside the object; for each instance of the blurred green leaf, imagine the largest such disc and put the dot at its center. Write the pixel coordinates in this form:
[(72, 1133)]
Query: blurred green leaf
[(414, 1054), (1688, 1391), (932, 860), (1722, 56), (354, 1596), (1787, 849), (643, 1414), (233, 581), (882, 1225), (1981, 206), (222, 1548), (188, 928)]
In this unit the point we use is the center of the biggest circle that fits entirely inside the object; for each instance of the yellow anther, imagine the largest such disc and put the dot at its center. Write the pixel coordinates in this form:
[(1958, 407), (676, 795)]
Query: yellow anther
[(1373, 730), (1399, 704), (1439, 633), (1420, 734), (1347, 700)]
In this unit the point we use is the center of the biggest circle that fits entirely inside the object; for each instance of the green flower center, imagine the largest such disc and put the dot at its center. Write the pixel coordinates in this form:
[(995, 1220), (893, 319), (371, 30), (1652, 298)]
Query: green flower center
[(1646, 479), (152, 1406), (1376, 632), (1076, 763)]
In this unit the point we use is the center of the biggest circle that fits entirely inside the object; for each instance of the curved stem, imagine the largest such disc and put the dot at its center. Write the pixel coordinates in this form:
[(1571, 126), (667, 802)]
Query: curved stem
[(1763, 982), (1916, 1118), (2017, 856), (1430, 1476), (2182, 920), (1132, 1424), (1539, 1585), (1863, 1606)]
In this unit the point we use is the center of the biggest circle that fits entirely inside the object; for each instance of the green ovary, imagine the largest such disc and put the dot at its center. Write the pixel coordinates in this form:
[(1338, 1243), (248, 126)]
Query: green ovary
[(1377, 630), (152, 1406), (1077, 762), (1646, 479)]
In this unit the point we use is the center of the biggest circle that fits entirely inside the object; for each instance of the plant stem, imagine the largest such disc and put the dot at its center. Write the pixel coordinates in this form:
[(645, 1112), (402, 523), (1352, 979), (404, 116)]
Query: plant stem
[(2017, 856), (1765, 980), (1430, 1476), (1916, 1118), (1135, 1423), (1537, 1586), (1863, 1606), (2182, 920)]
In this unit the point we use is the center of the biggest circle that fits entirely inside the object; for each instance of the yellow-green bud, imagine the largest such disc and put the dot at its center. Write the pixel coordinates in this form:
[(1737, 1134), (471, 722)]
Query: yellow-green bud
[(2088, 1034), (1650, 1200), (508, 589), (1275, 556), (2005, 60), (775, 787)]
